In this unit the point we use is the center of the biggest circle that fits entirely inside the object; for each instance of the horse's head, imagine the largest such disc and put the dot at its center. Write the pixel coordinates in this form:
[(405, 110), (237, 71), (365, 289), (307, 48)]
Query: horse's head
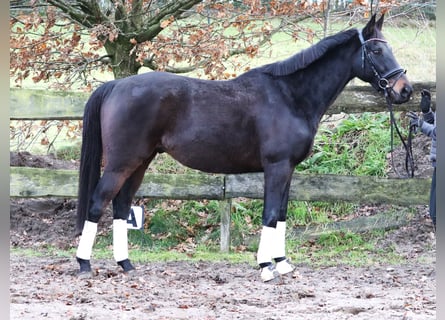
[(376, 64)]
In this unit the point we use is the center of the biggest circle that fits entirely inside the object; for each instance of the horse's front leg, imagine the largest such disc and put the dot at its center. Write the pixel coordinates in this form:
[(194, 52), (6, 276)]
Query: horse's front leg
[(283, 266), (273, 234)]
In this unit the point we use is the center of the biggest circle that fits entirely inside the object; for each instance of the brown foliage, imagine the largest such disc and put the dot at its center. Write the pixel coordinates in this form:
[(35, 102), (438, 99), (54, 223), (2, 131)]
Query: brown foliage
[(64, 42)]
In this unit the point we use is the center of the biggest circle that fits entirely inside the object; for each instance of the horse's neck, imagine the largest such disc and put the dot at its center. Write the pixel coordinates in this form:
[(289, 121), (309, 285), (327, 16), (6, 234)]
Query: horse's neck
[(324, 81)]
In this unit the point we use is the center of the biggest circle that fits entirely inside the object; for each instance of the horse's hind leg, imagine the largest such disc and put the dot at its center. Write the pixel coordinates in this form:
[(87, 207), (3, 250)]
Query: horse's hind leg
[(108, 187), (109, 184), (121, 208)]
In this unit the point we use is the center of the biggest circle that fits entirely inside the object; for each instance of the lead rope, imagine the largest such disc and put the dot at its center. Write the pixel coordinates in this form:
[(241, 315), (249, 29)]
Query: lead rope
[(409, 159), (384, 85)]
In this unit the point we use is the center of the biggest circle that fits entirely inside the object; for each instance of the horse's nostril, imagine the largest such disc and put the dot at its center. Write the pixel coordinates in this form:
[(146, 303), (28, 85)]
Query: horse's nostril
[(407, 91)]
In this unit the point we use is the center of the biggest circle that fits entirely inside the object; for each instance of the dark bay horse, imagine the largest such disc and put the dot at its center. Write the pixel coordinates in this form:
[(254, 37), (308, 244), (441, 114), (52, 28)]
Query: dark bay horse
[(264, 120)]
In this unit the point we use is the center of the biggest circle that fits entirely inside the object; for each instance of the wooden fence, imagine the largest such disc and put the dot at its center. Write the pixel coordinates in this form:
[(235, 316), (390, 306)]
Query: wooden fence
[(34, 182)]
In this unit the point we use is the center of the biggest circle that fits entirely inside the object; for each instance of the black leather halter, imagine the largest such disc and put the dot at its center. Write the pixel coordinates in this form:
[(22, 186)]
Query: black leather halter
[(383, 84)]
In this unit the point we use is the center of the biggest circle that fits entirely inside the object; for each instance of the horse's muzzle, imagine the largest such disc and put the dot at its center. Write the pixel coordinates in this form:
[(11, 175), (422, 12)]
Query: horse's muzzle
[(400, 91), (403, 95)]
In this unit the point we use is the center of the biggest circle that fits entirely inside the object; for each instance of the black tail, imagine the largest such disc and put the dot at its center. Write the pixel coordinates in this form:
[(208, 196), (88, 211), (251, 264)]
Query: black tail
[(91, 152)]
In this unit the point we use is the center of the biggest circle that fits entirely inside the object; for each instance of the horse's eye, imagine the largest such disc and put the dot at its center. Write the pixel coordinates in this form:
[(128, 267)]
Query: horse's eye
[(377, 51)]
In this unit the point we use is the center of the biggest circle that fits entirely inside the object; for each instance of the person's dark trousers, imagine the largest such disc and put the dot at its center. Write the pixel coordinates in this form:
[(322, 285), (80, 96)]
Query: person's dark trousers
[(433, 198)]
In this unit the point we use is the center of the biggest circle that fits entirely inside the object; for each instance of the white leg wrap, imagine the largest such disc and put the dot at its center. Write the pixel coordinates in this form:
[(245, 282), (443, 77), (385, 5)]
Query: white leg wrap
[(120, 240), (87, 240), (266, 246), (280, 240)]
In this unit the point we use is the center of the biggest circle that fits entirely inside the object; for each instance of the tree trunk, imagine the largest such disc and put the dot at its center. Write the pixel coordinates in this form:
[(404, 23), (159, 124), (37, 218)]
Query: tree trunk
[(327, 12), (123, 61)]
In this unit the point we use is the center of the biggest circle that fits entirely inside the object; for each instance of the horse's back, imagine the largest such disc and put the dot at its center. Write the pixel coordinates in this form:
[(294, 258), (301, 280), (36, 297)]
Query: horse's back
[(163, 95), (213, 126), (205, 124)]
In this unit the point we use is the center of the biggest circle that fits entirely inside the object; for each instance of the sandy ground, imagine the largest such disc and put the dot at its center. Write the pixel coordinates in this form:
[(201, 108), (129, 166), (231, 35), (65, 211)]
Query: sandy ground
[(48, 288)]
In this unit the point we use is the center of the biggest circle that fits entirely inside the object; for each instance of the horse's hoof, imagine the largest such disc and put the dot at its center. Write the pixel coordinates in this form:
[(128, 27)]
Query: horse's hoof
[(284, 267), (85, 268), (127, 266), (269, 273)]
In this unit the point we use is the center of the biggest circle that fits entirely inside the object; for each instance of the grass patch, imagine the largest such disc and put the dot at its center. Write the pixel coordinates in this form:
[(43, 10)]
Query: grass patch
[(69, 152), (199, 255), (139, 255), (358, 145), (343, 248), (175, 225), (46, 251), (303, 213)]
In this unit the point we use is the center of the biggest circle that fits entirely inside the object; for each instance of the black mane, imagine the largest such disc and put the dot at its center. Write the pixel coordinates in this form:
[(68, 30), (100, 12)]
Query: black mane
[(307, 56)]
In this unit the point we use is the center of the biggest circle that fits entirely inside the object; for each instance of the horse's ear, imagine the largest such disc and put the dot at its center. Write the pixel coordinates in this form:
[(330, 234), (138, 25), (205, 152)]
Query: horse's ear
[(368, 30), (379, 23)]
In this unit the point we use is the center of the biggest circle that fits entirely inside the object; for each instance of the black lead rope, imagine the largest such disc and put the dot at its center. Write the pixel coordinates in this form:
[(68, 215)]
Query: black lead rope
[(409, 159), (383, 83)]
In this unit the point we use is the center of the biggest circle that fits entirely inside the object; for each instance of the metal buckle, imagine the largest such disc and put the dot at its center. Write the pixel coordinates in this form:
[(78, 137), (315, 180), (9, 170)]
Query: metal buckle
[(383, 83)]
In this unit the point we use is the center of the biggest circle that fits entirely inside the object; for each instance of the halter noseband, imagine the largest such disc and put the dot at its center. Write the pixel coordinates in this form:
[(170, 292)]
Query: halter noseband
[(383, 80)]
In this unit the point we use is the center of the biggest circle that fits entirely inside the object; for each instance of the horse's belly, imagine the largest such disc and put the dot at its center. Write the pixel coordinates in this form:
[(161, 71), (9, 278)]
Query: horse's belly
[(218, 160)]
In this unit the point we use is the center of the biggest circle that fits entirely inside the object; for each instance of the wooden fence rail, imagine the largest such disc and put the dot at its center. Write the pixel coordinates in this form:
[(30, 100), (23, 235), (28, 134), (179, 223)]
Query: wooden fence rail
[(35, 182), (45, 105)]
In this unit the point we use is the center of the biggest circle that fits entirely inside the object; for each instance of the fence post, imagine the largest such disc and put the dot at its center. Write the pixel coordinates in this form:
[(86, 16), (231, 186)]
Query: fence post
[(225, 207)]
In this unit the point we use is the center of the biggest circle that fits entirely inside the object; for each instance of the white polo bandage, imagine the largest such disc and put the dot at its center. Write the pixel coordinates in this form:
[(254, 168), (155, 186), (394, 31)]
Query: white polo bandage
[(86, 241), (266, 245), (120, 240), (280, 240)]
